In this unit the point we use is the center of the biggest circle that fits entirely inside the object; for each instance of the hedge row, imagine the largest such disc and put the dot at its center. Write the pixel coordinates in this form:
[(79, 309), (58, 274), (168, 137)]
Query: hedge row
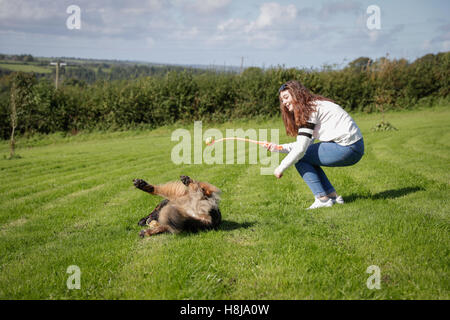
[(363, 85)]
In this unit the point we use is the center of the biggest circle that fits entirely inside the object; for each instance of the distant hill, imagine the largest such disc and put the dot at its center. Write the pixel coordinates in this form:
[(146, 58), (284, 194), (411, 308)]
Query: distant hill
[(91, 70)]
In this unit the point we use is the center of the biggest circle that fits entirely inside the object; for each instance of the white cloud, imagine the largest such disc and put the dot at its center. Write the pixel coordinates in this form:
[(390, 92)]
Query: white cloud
[(441, 41), (267, 30), (150, 42), (145, 7), (333, 8), (373, 35), (22, 10), (184, 34), (272, 14), (210, 6), (232, 25), (426, 45), (446, 45)]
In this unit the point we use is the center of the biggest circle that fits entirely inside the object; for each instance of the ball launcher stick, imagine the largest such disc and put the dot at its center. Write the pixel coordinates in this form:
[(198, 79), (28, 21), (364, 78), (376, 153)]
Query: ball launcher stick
[(210, 141)]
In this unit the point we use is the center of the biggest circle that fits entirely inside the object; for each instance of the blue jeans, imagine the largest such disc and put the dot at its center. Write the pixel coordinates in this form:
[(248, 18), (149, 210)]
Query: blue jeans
[(328, 154)]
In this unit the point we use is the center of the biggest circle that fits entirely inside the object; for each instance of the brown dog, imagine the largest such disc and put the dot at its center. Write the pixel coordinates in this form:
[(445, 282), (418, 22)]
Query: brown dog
[(188, 206)]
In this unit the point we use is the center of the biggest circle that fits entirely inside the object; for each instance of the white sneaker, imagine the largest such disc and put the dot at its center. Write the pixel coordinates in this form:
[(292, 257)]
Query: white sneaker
[(321, 204), (338, 199)]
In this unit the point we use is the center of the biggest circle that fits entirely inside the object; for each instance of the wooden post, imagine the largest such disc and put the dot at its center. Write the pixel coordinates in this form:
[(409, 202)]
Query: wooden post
[(58, 64)]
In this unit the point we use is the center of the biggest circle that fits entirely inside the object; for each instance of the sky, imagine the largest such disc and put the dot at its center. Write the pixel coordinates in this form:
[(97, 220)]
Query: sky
[(302, 34)]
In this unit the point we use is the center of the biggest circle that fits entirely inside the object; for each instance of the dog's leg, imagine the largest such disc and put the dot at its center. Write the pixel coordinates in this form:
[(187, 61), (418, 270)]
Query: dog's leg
[(170, 190), (153, 231), (154, 215), (144, 186)]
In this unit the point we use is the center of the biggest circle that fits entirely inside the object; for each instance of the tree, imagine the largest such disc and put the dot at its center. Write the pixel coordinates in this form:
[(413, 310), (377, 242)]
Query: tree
[(21, 95), (361, 63), (28, 58)]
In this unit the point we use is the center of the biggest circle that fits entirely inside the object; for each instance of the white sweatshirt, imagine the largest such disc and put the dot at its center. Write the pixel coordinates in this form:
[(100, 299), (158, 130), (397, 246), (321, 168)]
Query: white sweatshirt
[(330, 123)]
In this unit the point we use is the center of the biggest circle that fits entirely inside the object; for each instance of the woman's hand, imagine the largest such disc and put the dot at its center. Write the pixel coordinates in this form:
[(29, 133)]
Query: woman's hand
[(278, 173), (270, 146)]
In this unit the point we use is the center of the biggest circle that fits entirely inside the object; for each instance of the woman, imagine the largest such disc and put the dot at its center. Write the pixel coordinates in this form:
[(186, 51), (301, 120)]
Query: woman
[(309, 116)]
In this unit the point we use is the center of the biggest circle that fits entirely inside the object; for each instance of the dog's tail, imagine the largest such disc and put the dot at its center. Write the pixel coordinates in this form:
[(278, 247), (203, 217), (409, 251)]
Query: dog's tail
[(176, 220)]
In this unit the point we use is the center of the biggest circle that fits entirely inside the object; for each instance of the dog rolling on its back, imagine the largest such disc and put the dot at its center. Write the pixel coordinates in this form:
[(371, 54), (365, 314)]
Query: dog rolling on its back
[(188, 206)]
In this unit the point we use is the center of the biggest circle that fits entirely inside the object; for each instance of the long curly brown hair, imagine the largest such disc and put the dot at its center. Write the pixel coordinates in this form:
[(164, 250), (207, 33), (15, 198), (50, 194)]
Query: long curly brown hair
[(303, 103)]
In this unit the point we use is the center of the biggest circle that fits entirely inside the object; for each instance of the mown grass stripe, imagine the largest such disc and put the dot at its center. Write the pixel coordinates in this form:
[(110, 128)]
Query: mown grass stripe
[(100, 165), (19, 207), (29, 186), (97, 163), (62, 186), (68, 155)]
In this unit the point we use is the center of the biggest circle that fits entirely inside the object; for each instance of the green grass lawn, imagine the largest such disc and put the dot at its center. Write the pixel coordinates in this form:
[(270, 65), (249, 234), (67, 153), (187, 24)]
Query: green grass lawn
[(25, 67), (70, 201)]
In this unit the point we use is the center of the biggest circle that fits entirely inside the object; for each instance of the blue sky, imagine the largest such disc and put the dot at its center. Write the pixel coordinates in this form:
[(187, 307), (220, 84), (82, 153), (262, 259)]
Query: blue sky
[(266, 33)]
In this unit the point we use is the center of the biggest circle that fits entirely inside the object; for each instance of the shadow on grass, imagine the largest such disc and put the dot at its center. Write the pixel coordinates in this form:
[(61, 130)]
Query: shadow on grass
[(387, 194), (225, 226), (231, 225)]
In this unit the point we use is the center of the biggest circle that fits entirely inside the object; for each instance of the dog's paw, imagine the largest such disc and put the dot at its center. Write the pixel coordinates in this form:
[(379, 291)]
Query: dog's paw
[(143, 185), (142, 234), (139, 183), (186, 180)]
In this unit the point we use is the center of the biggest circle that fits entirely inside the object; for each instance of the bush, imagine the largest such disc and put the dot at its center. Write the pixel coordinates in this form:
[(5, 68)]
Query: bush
[(187, 95)]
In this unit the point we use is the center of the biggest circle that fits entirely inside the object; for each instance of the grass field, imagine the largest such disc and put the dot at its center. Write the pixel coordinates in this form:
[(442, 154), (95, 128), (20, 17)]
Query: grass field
[(25, 67), (70, 201)]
